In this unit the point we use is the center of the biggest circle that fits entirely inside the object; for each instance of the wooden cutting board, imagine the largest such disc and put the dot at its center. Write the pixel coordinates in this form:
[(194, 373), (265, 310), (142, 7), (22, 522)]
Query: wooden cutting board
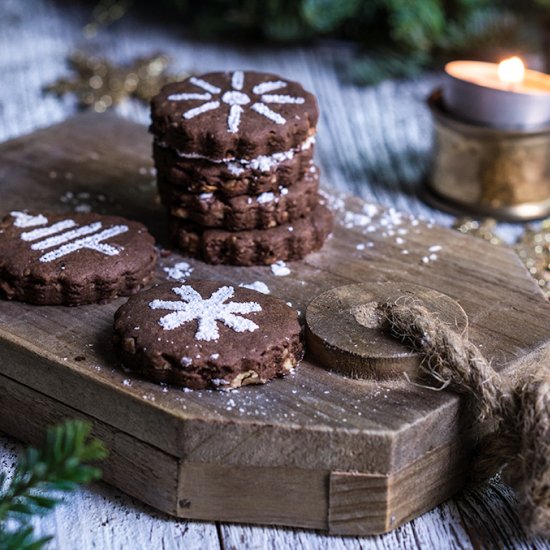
[(312, 450)]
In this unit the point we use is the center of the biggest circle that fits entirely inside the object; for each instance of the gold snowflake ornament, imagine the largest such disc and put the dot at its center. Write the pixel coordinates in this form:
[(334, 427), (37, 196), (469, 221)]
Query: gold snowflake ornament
[(99, 84)]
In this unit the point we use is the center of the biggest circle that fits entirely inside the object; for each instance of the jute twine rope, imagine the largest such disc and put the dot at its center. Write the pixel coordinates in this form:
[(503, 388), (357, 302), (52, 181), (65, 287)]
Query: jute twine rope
[(514, 416)]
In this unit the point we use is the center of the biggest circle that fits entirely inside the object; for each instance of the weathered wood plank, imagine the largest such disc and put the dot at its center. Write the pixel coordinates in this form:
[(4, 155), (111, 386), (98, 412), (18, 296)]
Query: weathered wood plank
[(440, 528), (313, 420), (365, 504), (134, 467), (272, 496)]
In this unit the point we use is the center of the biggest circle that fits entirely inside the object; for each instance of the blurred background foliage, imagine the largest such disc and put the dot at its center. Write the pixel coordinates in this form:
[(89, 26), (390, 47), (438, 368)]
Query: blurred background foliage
[(393, 38)]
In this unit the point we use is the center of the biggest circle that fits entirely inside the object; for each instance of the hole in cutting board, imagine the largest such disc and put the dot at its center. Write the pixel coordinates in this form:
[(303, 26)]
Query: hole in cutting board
[(368, 315)]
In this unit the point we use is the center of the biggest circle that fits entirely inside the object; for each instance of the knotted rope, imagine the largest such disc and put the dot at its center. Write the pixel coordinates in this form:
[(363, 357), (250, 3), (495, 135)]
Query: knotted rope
[(515, 417)]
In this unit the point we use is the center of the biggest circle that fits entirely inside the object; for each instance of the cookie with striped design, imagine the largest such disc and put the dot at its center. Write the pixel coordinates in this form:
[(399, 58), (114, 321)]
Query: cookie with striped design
[(73, 259)]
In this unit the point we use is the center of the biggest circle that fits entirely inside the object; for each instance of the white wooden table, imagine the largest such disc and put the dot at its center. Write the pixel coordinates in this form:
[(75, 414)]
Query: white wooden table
[(374, 142)]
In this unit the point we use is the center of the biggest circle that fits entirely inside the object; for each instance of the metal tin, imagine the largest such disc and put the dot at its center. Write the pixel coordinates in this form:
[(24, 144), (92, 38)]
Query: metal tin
[(497, 108), (478, 170)]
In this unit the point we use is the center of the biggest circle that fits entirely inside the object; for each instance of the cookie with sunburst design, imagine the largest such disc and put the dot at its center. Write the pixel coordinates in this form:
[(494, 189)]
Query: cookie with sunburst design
[(225, 116)]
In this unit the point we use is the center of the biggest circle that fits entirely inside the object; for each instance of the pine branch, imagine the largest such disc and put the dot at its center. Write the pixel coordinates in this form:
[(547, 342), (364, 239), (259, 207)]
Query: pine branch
[(39, 478), (382, 64)]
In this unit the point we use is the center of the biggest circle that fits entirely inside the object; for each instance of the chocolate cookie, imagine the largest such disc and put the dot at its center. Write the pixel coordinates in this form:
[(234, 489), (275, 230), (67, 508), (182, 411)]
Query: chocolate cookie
[(73, 259), (246, 212), (232, 177), (203, 334), (290, 241), (233, 114)]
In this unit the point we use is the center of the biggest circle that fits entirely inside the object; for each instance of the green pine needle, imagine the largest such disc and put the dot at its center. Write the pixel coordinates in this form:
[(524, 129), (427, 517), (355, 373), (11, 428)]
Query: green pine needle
[(417, 34), (39, 478)]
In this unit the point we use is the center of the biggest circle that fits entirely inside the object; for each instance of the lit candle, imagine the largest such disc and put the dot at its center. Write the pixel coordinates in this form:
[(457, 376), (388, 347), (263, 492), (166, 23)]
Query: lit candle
[(506, 96)]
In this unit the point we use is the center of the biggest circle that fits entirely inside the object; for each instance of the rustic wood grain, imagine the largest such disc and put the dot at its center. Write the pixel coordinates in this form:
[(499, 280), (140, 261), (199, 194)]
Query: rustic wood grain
[(345, 331), (366, 504), (138, 469), (314, 420), (272, 496), (439, 528)]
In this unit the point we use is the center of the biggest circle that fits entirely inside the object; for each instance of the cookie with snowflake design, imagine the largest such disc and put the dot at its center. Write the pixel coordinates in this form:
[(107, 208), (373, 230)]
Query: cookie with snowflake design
[(73, 259), (289, 241), (262, 211), (203, 334), (192, 174), (234, 115)]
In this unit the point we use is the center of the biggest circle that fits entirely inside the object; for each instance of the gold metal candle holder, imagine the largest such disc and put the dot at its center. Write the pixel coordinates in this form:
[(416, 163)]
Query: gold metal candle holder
[(504, 174)]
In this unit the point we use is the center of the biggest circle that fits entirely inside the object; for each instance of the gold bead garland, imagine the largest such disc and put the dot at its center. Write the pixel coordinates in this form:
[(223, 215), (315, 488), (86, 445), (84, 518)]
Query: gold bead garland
[(533, 247)]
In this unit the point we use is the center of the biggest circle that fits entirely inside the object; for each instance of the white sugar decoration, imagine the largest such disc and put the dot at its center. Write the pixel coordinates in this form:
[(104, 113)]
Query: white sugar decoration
[(22, 219), (370, 209), (266, 197), (192, 113), (435, 248), (65, 240), (204, 85), (282, 99), (179, 272), (236, 99), (206, 196), (280, 269), (46, 231), (83, 208), (237, 80), (264, 163), (264, 110), (189, 97), (235, 168), (91, 242), (207, 312), (234, 118), (58, 240), (270, 86), (258, 286)]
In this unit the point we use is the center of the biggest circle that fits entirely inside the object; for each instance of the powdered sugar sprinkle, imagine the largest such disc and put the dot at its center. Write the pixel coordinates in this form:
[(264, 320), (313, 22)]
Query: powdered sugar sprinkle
[(280, 269), (178, 272)]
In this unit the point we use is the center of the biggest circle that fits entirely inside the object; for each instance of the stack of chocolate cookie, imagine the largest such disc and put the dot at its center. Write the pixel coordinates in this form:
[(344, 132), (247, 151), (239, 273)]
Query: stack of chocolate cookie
[(234, 159)]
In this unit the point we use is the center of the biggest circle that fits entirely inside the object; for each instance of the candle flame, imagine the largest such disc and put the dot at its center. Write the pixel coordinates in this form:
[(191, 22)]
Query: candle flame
[(511, 70)]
